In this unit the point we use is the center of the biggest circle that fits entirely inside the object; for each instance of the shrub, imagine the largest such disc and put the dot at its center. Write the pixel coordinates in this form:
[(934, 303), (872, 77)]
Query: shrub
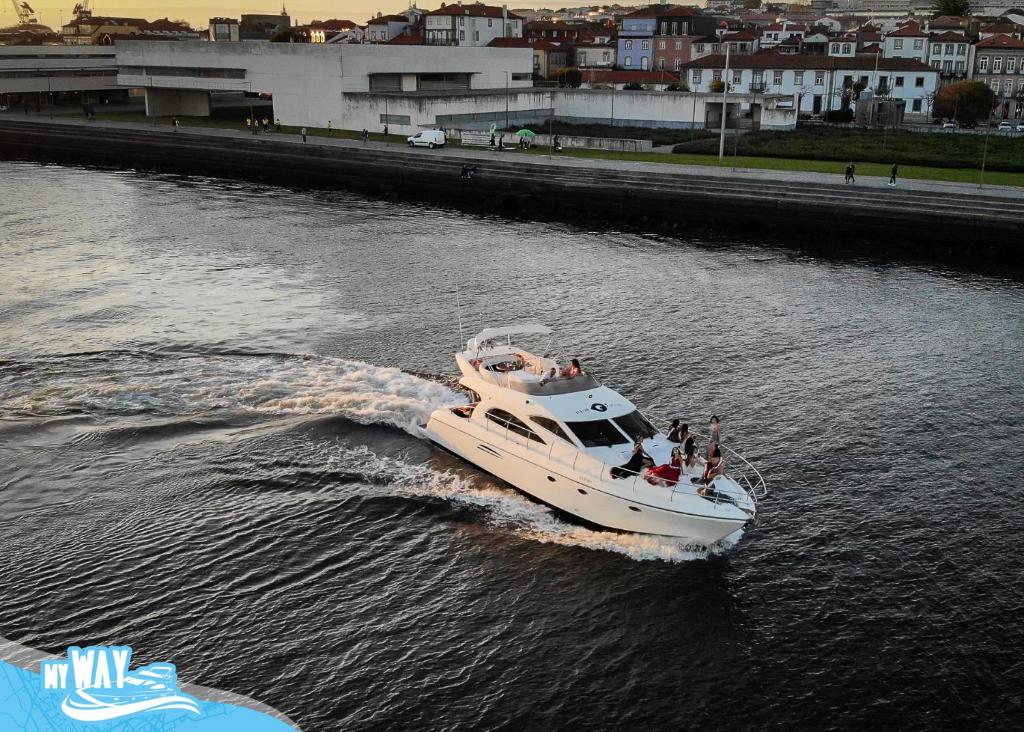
[(677, 88), (633, 86), (717, 86)]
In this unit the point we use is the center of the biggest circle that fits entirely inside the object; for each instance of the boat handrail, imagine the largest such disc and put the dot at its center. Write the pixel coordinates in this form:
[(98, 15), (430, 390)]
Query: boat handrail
[(757, 488)]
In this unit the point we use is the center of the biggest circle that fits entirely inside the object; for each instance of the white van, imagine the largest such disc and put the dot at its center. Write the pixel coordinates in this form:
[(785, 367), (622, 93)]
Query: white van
[(427, 138)]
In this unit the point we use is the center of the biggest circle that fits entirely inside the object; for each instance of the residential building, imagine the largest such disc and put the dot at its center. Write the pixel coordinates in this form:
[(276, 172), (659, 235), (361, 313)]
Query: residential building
[(549, 57), (952, 54), (817, 82), (999, 62), (335, 31), (907, 42), (102, 30), (777, 33), (224, 30), (595, 50), (254, 27), (636, 39), (473, 24), (383, 28), (672, 35), (555, 32)]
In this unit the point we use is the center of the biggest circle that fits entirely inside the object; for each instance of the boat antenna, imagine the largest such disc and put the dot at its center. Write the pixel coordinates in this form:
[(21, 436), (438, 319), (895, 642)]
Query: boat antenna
[(458, 309)]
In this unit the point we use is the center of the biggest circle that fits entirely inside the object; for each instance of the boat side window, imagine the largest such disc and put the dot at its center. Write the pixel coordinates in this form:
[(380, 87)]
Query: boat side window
[(634, 424), (514, 424), (597, 433), (552, 426)]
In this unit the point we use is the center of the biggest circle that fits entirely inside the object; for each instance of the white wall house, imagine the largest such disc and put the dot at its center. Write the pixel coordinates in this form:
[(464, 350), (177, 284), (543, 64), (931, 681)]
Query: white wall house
[(907, 42), (952, 54), (812, 82), (470, 25), (383, 28)]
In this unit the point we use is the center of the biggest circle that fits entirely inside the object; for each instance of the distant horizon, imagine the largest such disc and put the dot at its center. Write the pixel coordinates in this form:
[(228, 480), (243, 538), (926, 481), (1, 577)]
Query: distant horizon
[(53, 12)]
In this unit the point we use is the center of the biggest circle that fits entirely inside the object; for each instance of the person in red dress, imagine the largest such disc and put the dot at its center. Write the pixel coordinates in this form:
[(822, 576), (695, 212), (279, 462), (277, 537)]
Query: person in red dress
[(666, 475)]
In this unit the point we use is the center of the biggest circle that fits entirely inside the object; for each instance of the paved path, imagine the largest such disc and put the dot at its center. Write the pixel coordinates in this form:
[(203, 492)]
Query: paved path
[(482, 156)]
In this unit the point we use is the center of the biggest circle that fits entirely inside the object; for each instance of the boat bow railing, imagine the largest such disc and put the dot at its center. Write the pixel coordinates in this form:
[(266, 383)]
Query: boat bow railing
[(749, 480)]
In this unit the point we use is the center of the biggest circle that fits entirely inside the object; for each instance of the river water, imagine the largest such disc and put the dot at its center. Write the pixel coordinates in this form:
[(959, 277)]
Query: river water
[(206, 394)]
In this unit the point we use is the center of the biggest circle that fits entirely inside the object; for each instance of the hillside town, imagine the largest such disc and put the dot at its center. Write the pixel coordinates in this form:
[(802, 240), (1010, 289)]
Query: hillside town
[(759, 65)]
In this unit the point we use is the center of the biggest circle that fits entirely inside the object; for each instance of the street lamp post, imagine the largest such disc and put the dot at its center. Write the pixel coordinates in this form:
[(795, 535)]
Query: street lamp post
[(725, 100), (507, 80)]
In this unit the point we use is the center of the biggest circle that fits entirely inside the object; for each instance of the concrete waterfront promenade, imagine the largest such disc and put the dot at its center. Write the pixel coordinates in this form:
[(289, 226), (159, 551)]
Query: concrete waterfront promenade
[(813, 207)]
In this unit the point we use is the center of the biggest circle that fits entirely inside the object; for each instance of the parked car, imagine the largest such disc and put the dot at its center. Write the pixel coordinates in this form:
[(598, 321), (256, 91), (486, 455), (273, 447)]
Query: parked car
[(1020, 127), (1005, 126), (427, 138), (949, 124)]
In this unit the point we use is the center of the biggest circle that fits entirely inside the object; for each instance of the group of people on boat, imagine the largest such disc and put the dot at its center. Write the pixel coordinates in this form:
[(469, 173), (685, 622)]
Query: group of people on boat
[(682, 459), (568, 372)]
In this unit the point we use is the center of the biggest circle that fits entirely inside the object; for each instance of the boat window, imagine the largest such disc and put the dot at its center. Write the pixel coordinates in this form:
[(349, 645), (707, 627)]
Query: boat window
[(597, 433), (634, 424), (514, 424), (552, 426)]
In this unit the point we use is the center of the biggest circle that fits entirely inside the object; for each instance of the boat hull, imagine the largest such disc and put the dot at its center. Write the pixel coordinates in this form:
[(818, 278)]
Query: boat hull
[(594, 501)]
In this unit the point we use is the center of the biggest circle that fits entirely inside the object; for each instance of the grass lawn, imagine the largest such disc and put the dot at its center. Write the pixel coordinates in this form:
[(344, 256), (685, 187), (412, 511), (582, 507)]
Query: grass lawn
[(835, 165), (928, 149), (917, 172)]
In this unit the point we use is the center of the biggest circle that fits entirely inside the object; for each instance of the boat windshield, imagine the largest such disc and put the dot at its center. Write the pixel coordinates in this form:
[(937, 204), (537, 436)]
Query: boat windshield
[(634, 424), (597, 433)]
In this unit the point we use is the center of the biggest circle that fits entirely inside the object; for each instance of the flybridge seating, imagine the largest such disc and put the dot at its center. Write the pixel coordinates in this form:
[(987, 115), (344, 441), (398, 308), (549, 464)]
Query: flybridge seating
[(491, 357)]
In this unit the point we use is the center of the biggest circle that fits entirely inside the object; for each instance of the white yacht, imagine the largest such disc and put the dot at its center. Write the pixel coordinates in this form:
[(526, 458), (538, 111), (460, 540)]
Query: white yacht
[(563, 441)]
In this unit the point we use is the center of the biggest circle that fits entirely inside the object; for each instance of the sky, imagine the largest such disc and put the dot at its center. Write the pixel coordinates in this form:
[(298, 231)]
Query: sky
[(51, 12)]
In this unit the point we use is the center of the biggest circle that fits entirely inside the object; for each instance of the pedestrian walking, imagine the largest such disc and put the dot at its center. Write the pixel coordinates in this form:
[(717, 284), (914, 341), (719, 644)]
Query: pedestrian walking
[(277, 124), (385, 133), (175, 123), (266, 125), (892, 174), (248, 122), (330, 130), (853, 173), (366, 135), (303, 134)]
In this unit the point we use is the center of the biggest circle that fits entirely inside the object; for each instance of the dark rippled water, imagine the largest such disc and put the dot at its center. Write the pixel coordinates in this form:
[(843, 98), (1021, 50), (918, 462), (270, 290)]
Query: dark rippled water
[(204, 394)]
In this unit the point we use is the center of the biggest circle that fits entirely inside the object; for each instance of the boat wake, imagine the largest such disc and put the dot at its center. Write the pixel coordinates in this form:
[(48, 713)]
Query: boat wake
[(159, 387), (506, 508)]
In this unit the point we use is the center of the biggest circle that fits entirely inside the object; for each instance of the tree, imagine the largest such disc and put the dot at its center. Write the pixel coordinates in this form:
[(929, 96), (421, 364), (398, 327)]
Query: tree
[(717, 86), (569, 77), (633, 86), (967, 101), (951, 7), (290, 35)]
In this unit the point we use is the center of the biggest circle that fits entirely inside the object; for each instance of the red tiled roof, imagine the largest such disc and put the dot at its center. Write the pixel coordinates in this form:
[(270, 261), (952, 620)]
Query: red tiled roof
[(387, 19), (164, 24), (739, 36), (539, 44), (947, 21), (948, 36), (910, 30), (1001, 41), (404, 40), (771, 61), (476, 10), (333, 24), (1001, 28)]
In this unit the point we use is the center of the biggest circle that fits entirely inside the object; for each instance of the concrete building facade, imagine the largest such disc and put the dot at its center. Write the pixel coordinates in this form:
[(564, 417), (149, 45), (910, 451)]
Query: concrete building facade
[(312, 84), (86, 73)]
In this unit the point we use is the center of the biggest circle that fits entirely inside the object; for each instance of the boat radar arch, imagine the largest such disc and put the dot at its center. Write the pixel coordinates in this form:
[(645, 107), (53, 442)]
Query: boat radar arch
[(489, 334)]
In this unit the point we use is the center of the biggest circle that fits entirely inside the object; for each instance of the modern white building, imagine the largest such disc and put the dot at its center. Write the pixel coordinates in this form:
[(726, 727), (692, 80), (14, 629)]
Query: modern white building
[(816, 83), (312, 84), (58, 70)]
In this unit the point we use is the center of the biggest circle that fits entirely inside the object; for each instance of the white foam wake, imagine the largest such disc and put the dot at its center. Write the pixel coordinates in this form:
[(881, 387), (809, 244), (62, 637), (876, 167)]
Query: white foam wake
[(193, 385), (510, 509)]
